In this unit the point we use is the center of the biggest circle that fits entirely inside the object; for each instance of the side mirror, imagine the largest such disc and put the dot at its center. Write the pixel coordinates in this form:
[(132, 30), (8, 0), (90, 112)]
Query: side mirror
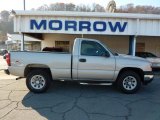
[(116, 54), (106, 54)]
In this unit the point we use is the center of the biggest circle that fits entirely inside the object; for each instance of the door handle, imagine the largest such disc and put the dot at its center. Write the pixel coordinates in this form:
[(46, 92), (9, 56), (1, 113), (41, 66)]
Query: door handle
[(82, 60)]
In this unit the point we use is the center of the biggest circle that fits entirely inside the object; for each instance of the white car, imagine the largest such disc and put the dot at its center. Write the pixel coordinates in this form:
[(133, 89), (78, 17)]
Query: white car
[(150, 57)]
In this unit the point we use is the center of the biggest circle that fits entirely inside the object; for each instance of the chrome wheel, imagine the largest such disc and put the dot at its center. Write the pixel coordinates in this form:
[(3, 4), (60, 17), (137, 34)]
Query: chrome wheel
[(38, 82), (129, 83)]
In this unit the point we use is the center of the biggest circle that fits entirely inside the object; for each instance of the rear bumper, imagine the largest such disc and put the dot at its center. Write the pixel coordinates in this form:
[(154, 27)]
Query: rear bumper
[(16, 71), (148, 77)]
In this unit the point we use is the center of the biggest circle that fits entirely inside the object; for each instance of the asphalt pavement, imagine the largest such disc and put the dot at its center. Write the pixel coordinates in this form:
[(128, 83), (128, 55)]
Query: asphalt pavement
[(71, 101)]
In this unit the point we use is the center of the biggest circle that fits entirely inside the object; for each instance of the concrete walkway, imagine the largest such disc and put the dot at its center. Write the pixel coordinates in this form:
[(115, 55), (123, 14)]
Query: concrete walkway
[(3, 63)]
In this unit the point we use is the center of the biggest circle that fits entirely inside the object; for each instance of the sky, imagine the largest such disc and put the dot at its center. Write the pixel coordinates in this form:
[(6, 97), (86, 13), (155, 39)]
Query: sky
[(18, 4)]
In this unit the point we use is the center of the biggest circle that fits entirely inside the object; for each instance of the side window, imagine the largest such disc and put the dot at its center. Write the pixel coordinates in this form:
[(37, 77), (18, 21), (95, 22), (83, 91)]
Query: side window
[(91, 48)]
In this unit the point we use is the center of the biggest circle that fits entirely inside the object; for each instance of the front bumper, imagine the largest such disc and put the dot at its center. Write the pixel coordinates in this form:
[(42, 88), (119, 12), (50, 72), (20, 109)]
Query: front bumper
[(148, 77)]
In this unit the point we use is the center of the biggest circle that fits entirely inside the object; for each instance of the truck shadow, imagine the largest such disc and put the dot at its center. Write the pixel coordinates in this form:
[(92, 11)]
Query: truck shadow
[(71, 100)]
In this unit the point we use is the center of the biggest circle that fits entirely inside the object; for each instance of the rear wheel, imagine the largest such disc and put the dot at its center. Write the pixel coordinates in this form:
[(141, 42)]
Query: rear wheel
[(38, 81), (129, 82)]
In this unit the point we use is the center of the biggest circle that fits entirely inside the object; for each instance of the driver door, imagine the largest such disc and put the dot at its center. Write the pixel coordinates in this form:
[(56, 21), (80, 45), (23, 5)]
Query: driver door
[(95, 62)]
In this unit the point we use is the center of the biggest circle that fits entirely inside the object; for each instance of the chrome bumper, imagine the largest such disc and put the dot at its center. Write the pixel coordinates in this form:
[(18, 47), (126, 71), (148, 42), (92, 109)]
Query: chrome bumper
[(148, 77)]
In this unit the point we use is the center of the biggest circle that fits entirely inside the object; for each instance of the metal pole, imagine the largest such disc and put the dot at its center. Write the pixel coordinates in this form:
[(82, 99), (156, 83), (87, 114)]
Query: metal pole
[(24, 3), (22, 42), (134, 45)]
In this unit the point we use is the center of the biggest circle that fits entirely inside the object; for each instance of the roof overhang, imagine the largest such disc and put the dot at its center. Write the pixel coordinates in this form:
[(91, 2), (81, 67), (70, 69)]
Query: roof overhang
[(85, 14)]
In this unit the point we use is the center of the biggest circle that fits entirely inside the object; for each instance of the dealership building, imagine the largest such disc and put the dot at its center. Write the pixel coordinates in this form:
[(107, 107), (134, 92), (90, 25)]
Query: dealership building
[(123, 33)]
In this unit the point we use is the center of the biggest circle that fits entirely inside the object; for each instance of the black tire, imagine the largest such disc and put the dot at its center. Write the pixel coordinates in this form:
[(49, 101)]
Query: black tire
[(38, 81), (129, 82)]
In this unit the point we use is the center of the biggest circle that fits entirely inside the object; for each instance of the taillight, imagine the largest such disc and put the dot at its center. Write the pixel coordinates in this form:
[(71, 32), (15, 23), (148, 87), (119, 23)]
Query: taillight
[(8, 59)]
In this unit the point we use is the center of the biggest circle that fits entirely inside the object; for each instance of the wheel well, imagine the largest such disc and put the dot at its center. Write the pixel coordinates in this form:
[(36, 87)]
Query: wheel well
[(136, 70), (30, 68)]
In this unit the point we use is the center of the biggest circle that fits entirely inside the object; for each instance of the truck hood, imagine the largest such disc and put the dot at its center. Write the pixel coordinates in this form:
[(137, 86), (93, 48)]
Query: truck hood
[(132, 57), (154, 60), (123, 61)]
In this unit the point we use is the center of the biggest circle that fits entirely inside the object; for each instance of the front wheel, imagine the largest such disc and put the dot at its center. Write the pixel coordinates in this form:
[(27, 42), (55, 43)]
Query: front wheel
[(129, 82), (38, 81)]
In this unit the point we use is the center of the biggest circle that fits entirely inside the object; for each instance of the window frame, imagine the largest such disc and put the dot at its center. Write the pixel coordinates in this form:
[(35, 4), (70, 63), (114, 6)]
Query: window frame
[(106, 52)]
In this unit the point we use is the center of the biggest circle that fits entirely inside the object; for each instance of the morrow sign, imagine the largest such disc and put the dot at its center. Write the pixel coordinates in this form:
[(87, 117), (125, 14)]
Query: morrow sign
[(99, 26)]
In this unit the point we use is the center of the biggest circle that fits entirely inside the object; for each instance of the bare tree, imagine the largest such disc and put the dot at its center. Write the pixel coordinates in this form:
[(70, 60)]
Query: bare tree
[(43, 8), (70, 7), (83, 8), (130, 8), (97, 8), (5, 16), (57, 7)]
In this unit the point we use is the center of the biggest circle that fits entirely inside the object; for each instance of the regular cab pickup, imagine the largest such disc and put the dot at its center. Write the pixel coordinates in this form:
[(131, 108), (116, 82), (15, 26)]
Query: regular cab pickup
[(89, 62)]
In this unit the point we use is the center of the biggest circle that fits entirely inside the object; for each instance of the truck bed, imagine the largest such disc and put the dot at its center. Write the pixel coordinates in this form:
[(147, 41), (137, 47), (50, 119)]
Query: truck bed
[(58, 62)]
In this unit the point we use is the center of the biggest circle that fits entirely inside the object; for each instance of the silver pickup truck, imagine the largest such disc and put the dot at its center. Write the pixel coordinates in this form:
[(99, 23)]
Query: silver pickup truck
[(89, 62)]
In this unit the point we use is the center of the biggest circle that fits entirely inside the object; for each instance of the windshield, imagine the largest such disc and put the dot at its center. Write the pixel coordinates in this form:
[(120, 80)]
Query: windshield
[(114, 53)]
